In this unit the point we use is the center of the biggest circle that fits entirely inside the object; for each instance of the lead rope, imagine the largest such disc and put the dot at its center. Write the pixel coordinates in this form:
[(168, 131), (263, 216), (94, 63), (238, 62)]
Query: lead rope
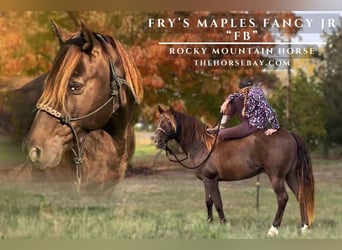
[(78, 152)]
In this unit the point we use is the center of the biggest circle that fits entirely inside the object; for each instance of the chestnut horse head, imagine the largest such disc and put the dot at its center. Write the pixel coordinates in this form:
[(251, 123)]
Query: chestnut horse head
[(92, 80)]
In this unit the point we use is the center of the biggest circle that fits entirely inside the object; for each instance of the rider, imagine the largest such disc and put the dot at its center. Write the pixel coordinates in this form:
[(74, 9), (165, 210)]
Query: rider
[(253, 109)]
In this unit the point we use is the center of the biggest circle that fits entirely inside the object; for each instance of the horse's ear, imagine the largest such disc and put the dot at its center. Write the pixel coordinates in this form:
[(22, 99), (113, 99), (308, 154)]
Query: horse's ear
[(161, 111), (171, 108), (62, 34), (87, 37)]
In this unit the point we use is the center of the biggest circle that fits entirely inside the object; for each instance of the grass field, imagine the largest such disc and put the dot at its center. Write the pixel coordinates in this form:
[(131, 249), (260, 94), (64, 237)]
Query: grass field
[(160, 200)]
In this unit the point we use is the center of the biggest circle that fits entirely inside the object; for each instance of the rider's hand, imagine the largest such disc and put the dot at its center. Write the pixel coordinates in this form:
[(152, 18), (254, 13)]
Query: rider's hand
[(224, 106), (270, 131)]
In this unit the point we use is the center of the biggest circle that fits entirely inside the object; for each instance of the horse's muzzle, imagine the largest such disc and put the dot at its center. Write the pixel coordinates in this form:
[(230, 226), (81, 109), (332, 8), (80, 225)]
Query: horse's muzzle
[(39, 158), (159, 143)]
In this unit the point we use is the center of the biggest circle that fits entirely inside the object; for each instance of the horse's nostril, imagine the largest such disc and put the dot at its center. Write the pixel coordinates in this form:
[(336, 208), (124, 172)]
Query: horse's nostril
[(34, 154)]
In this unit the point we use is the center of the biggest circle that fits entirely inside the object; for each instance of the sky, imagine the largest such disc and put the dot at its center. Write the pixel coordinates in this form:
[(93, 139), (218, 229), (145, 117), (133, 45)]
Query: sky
[(314, 37)]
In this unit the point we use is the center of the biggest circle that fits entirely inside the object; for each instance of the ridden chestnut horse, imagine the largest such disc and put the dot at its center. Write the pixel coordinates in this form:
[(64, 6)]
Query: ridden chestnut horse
[(93, 84), (282, 156)]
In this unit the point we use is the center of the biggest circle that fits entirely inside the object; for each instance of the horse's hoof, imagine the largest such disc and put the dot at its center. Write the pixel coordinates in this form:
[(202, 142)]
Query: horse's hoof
[(304, 229), (210, 220), (223, 221), (273, 231)]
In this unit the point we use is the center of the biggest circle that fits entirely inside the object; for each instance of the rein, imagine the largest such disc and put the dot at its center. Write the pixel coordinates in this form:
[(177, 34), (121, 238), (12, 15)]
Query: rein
[(115, 84), (168, 150)]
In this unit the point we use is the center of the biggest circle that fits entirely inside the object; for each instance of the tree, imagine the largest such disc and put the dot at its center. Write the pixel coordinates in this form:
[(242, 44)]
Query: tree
[(168, 80), (331, 75), (307, 108)]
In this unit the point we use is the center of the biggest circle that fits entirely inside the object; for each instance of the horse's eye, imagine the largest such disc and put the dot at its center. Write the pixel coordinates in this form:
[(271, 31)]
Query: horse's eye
[(75, 88)]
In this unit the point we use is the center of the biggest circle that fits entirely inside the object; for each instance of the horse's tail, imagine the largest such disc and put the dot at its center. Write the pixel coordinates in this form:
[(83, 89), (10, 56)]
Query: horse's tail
[(306, 194)]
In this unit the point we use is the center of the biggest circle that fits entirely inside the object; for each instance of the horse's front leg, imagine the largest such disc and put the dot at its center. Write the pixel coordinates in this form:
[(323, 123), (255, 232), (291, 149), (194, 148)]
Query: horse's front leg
[(215, 195), (208, 201)]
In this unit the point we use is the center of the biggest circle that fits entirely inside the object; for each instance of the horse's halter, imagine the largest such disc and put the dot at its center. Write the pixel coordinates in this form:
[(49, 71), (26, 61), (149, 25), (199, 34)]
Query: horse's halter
[(115, 83), (168, 150), (169, 135)]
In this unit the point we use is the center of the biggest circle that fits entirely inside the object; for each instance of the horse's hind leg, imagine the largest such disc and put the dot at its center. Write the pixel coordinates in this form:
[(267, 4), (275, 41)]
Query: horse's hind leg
[(282, 198), (293, 184)]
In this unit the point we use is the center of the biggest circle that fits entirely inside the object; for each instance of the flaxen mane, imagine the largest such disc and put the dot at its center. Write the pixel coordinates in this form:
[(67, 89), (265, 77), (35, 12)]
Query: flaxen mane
[(56, 83)]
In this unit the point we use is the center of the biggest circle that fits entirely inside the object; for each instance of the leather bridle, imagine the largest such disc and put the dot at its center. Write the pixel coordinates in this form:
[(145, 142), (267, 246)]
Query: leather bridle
[(169, 151), (115, 84)]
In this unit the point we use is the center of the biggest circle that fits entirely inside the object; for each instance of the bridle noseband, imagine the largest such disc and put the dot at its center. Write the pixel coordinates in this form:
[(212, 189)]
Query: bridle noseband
[(115, 84), (169, 135)]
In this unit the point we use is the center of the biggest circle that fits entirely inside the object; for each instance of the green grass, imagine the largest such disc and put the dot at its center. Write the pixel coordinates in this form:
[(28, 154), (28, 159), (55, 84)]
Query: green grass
[(169, 205), (146, 150), (166, 205)]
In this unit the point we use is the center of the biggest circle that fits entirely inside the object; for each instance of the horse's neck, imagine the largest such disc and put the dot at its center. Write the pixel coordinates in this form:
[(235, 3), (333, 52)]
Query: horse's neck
[(196, 145), (196, 151)]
